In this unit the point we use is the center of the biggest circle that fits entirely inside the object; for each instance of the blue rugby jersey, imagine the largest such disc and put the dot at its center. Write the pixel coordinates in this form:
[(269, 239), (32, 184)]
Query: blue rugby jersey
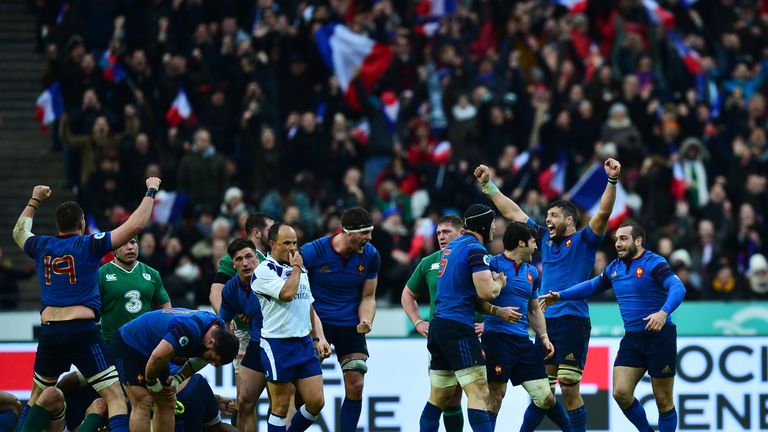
[(68, 268), (565, 263), (238, 298), (456, 292), (182, 328), (643, 287), (522, 286), (200, 408), (336, 281)]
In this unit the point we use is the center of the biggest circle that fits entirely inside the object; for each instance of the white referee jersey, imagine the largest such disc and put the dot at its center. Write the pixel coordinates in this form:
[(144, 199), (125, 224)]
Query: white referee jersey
[(281, 319)]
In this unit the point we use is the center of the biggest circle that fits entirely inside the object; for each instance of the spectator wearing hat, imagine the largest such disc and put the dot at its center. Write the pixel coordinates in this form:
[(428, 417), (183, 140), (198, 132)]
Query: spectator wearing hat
[(620, 131), (757, 277)]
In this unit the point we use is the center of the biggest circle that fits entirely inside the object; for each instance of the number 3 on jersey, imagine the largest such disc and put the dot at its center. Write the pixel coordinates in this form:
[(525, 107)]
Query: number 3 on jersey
[(443, 262), (134, 304), (60, 265)]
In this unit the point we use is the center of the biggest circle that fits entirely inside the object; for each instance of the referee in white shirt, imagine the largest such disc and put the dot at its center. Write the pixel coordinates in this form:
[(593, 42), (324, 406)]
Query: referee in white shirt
[(292, 340)]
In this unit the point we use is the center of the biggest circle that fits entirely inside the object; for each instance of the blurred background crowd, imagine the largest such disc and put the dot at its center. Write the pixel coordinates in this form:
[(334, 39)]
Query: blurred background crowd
[(521, 86)]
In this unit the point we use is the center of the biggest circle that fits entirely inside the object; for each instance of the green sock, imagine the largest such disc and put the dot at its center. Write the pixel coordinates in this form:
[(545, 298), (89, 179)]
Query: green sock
[(453, 419), (92, 423), (37, 419), (234, 418)]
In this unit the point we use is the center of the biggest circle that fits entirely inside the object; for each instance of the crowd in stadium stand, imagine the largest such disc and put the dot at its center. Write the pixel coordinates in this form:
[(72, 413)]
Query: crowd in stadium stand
[(677, 96)]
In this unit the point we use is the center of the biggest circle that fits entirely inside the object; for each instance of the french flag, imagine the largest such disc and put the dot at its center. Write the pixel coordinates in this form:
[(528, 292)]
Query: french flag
[(391, 107), (659, 15), (111, 70), (345, 52), (552, 180), (573, 6), (50, 105), (678, 185), (442, 153), (180, 110), (435, 8), (690, 58), (521, 161), (168, 207), (586, 193)]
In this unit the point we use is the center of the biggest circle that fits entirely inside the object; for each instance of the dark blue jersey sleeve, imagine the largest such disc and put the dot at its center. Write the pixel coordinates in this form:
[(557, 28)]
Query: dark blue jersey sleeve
[(183, 334), (101, 244), (586, 289), (374, 264), (30, 246), (591, 238), (664, 276), (228, 306), (478, 260)]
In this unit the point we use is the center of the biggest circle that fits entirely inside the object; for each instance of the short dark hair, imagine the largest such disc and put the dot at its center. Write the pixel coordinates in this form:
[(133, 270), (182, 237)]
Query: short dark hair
[(515, 233), (226, 345), (274, 230), (637, 230), (356, 218), (257, 221), (453, 220), (68, 216), (239, 244), (568, 209)]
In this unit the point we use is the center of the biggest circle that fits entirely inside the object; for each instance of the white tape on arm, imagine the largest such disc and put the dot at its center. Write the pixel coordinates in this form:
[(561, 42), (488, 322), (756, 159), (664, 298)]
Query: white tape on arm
[(22, 231)]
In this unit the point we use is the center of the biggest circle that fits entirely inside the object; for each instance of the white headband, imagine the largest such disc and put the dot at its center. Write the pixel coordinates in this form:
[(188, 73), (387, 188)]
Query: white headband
[(358, 230)]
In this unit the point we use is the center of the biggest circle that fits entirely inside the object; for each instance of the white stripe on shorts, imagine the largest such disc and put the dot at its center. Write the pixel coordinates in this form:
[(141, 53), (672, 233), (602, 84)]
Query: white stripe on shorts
[(268, 350)]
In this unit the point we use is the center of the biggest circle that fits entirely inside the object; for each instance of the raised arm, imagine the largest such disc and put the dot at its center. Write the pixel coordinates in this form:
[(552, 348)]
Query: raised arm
[(135, 223), (291, 286), (508, 208), (23, 228), (366, 311), (599, 221)]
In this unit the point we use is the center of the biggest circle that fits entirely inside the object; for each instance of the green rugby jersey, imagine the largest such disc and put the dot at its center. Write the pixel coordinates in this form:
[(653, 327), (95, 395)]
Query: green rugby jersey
[(425, 278), (126, 295)]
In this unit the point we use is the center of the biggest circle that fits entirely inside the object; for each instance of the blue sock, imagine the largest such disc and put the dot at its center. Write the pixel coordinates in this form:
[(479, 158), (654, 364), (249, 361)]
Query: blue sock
[(8, 421), (302, 420), (119, 423), (668, 421), (636, 414), (430, 418), (559, 415), (275, 423), (532, 418), (350, 415), (578, 418), (479, 420), (493, 416), (453, 419), (23, 416)]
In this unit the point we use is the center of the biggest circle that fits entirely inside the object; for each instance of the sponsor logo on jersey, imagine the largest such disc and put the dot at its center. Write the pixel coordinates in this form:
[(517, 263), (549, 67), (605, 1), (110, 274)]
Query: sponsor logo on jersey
[(435, 266), (666, 370), (183, 341), (146, 276), (325, 269), (613, 275), (570, 357), (98, 236), (487, 260), (639, 272), (111, 277)]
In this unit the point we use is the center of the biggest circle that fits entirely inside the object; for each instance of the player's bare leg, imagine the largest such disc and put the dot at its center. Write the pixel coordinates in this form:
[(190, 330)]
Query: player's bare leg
[(250, 385), (141, 408), (625, 380), (662, 392)]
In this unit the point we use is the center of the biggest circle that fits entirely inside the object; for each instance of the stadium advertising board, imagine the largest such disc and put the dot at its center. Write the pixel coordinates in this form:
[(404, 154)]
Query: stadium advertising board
[(722, 385)]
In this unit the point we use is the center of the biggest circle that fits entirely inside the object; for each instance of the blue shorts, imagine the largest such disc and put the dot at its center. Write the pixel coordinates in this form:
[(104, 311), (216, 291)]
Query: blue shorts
[(252, 358), (453, 346), (64, 343), (289, 359), (655, 352), (131, 363), (345, 339), (570, 336), (512, 357)]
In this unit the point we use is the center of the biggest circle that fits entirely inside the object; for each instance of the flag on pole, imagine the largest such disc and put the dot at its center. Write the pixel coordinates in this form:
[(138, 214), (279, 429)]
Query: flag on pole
[(49, 106)]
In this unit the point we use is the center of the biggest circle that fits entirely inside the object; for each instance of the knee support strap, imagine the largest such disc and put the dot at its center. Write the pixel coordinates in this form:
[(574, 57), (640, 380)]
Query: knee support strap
[(104, 379), (538, 390), (41, 382), (442, 378), (570, 373), (471, 374), (354, 365)]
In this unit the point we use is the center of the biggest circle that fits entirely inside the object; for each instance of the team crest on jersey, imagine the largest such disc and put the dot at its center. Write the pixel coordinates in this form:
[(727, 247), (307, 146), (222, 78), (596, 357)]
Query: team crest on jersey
[(360, 268), (325, 269), (98, 236), (498, 370), (530, 278), (487, 260), (568, 243), (639, 272), (435, 266), (183, 341), (110, 277), (140, 378), (146, 276)]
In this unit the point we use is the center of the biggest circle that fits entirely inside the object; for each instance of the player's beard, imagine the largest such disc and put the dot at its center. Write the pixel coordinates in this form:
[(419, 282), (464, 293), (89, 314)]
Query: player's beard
[(631, 252)]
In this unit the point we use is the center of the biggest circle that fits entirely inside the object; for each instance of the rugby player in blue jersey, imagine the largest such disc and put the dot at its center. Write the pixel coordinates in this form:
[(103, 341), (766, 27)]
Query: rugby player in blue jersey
[(456, 355), (144, 348), (568, 256), (68, 269), (238, 298), (648, 291), (510, 354), (343, 272)]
